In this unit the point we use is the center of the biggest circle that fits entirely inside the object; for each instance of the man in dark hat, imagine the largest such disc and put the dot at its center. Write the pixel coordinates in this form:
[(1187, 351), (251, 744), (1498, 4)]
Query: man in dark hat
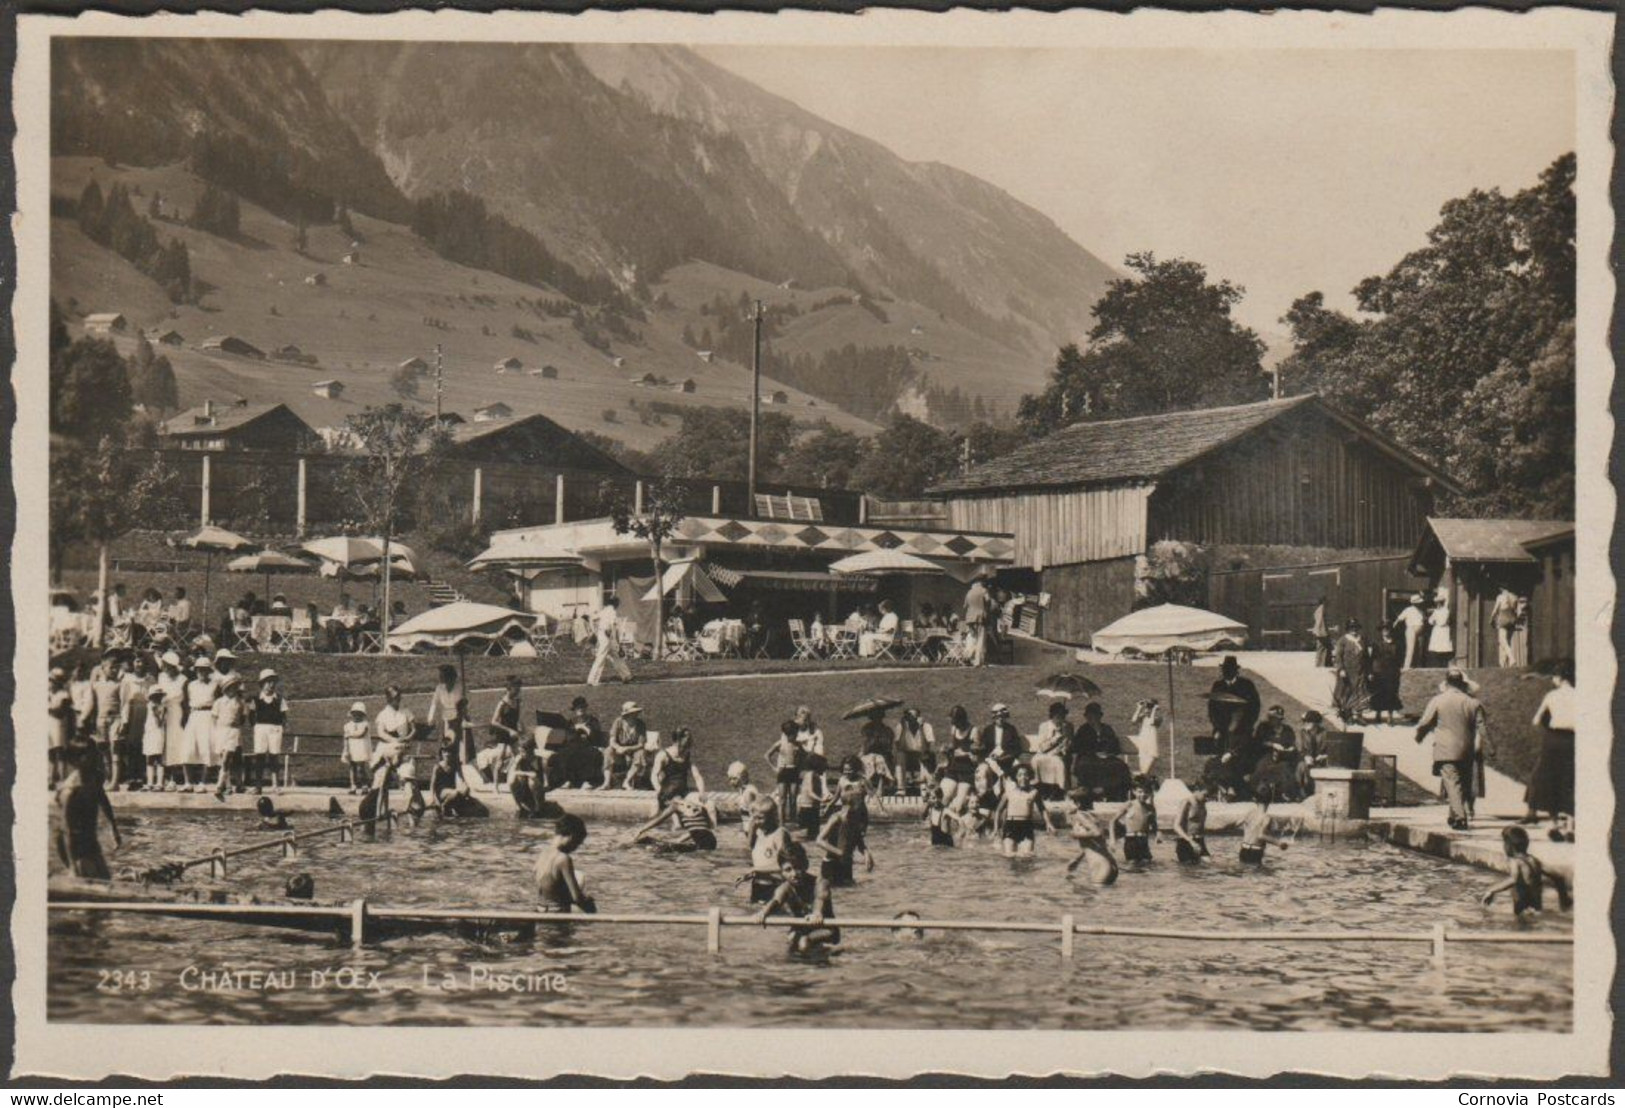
[(1460, 729), (1233, 723)]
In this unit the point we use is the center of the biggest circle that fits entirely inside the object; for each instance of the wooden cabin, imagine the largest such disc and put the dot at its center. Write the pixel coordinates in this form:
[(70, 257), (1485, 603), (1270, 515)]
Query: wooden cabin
[(1086, 502), (1472, 560)]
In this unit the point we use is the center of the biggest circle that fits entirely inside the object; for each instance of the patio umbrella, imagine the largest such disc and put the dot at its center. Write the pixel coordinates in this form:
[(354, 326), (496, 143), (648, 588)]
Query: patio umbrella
[(210, 539), (450, 624), (882, 563), (871, 706), (1067, 686), (269, 562), (1169, 629), (346, 551)]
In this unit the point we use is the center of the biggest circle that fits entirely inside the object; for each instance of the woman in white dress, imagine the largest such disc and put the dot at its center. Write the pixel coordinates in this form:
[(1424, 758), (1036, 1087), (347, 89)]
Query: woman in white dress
[(173, 682), (1148, 714), (198, 747), (1441, 646)]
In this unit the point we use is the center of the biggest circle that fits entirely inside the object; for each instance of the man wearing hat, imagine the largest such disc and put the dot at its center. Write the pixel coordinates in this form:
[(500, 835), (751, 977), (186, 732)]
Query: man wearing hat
[(1232, 722), (1410, 624), (627, 736), (1460, 729), (1000, 740)]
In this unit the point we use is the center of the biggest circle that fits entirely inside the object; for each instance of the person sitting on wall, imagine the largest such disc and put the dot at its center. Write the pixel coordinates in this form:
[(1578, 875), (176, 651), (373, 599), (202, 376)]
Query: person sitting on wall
[(1277, 765)]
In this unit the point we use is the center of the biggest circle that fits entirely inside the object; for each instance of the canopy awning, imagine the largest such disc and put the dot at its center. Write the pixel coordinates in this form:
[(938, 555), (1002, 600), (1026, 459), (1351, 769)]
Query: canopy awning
[(883, 562), (688, 569), (791, 580)]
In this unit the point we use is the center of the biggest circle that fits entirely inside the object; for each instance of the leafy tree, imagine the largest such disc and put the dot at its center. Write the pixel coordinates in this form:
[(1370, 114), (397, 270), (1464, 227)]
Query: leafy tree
[(827, 458), (714, 444), (405, 382), (90, 390), (152, 379), (655, 521), (907, 458), (399, 449), (1163, 340), (1465, 351)]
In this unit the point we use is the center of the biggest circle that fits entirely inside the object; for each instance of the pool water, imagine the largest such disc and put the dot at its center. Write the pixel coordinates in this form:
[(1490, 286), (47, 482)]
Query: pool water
[(125, 968)]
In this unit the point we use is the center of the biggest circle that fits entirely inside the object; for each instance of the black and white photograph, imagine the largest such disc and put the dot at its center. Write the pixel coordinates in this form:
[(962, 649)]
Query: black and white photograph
[(867, 532)]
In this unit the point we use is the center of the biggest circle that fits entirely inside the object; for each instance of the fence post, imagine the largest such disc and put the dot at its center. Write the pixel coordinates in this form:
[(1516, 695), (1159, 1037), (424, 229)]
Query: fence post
[(558, 499), (347, 832), (716, 500), (637, 499), (863, 509), (217, 863), (1438, 942), (300, 506), (479, 489), (290, 845), (358, 922), (1068, 932), (713, 930), (207, 480)]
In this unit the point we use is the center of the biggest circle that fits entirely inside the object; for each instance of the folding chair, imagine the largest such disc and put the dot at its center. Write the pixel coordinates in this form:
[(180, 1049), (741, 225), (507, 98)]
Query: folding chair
[(120, 636), (542, 637), (681, 648), (806, 648), (242, 639), (843, 643), (301, 634), (369, 642)]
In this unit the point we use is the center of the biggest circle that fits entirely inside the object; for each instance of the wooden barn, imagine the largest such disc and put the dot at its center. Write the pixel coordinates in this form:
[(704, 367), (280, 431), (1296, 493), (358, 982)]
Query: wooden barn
[(1085, 503), (239, 426), (532, 440), (1474, 559)]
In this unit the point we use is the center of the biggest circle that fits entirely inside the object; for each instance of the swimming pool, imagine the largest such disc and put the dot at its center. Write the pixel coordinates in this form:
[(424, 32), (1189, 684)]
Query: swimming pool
[(200, 972)]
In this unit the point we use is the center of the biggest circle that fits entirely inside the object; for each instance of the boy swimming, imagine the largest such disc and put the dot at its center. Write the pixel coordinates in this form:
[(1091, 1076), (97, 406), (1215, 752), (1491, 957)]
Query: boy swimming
[(1190, 826), (1526, 878), (801, 894), (1089, 833), (558, 886), (1019, 813), (1136, 823), (1255, 829)]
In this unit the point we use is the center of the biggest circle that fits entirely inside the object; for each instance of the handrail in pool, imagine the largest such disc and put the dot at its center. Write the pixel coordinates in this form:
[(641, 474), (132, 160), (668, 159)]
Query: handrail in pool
[(358, 914)]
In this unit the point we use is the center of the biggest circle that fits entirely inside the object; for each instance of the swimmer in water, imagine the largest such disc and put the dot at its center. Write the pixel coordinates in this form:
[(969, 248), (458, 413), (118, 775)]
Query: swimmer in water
[(769, 839), (944, 824), (81, 802), (1255, 828), (803, 895), (1526, 877), (1089, 832), (270, 818), (558, 886), (695, 824), (844, 836), (1190, 826), (1019, 813), (1137, 823)]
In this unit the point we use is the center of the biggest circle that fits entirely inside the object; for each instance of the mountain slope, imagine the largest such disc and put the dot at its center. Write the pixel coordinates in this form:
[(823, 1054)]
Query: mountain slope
[(926, 232), (249, 108)]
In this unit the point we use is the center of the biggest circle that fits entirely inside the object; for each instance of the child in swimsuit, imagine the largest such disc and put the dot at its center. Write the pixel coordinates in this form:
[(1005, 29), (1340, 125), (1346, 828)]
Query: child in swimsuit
[(270, 818), (694, 822), (1019, 813), (558, 886), (1137, 823), (1255, 828), (767, 845), (785, 759), (1526, 877), (357, 747), (1190, 826), (1089, 832), (801, 894), (940, 820)]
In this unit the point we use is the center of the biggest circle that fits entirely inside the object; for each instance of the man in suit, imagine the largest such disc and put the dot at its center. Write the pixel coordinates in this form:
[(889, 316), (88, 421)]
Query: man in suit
[(1233, 725), (1460, 729)]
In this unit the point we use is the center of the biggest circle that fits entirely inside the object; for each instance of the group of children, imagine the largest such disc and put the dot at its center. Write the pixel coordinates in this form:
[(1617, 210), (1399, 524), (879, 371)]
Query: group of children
[(167, 730)]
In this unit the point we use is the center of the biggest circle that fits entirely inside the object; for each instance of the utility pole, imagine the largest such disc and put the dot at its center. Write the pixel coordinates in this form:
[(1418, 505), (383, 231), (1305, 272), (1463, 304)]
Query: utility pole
[(439, 382), (755, 407), (1275, 381)]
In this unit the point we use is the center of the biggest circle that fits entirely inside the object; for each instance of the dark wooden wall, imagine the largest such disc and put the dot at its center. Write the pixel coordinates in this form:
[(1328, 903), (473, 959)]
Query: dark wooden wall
[(1084, 597), (1302, 480), (1551, 604), (1278, 604)]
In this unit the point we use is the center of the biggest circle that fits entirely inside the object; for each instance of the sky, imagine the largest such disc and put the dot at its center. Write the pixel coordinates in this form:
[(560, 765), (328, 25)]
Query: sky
[(1284, 171)]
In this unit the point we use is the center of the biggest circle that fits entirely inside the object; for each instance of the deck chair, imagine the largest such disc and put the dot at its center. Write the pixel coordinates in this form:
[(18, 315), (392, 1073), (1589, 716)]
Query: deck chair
[(370, 642), (909, 647), (681, 648), (543, 638)]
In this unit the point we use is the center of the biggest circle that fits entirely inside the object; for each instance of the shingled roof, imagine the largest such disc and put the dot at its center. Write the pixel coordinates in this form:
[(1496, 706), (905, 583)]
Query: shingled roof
[(1118, 451), (1487, 540)]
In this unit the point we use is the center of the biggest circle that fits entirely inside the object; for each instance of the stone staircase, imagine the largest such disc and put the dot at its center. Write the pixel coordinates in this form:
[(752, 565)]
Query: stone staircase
[(440, 593)]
